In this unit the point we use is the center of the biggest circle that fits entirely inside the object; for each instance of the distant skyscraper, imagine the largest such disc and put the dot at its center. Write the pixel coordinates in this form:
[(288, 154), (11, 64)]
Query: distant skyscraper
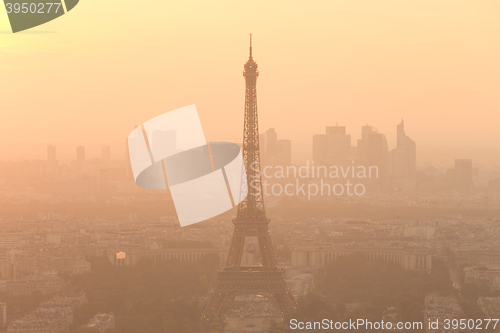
[(274, 152), (80, 155), (373, 147), (332, 148), (335, 130), (106, 153), (51, 154), (338, 144), (373, 151), (271, 143), (404, 161), (463, 174)]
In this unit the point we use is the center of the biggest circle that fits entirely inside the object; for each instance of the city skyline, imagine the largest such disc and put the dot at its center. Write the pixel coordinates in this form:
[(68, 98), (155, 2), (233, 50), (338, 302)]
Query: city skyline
[(354, 63), (439, 153), (302, 152)]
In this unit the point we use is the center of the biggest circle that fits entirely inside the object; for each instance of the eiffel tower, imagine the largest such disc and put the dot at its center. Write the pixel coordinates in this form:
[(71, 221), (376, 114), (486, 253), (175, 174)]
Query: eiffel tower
[(251, 221)]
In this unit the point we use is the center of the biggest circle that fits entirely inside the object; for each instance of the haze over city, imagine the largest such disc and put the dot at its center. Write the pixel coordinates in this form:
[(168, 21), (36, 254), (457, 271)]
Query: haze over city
[(364, 185), (433, 64)]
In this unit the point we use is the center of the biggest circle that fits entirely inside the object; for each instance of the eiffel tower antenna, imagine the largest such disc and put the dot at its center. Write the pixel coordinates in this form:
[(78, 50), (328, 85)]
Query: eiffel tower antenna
[(250, 46), (250, 221)]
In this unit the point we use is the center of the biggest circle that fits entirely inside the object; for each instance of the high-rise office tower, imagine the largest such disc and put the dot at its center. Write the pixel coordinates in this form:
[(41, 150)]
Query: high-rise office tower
[(268, 147), (274, 152), (338, 144), (404, 161), (462, 174), (373, 152), (271, 146), (373, 147), (106, 153), (80, 155), (333, 147)]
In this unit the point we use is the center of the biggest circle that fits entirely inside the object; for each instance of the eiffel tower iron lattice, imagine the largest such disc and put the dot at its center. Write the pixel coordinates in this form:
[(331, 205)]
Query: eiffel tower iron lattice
[(234, 279)]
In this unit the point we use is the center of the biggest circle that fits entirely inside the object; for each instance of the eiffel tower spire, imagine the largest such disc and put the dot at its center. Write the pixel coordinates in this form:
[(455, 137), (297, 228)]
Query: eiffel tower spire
[(250, 46)]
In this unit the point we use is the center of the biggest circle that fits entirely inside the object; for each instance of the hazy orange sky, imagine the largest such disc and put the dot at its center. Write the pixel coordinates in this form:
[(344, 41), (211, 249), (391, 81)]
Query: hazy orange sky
[(88, 77)]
